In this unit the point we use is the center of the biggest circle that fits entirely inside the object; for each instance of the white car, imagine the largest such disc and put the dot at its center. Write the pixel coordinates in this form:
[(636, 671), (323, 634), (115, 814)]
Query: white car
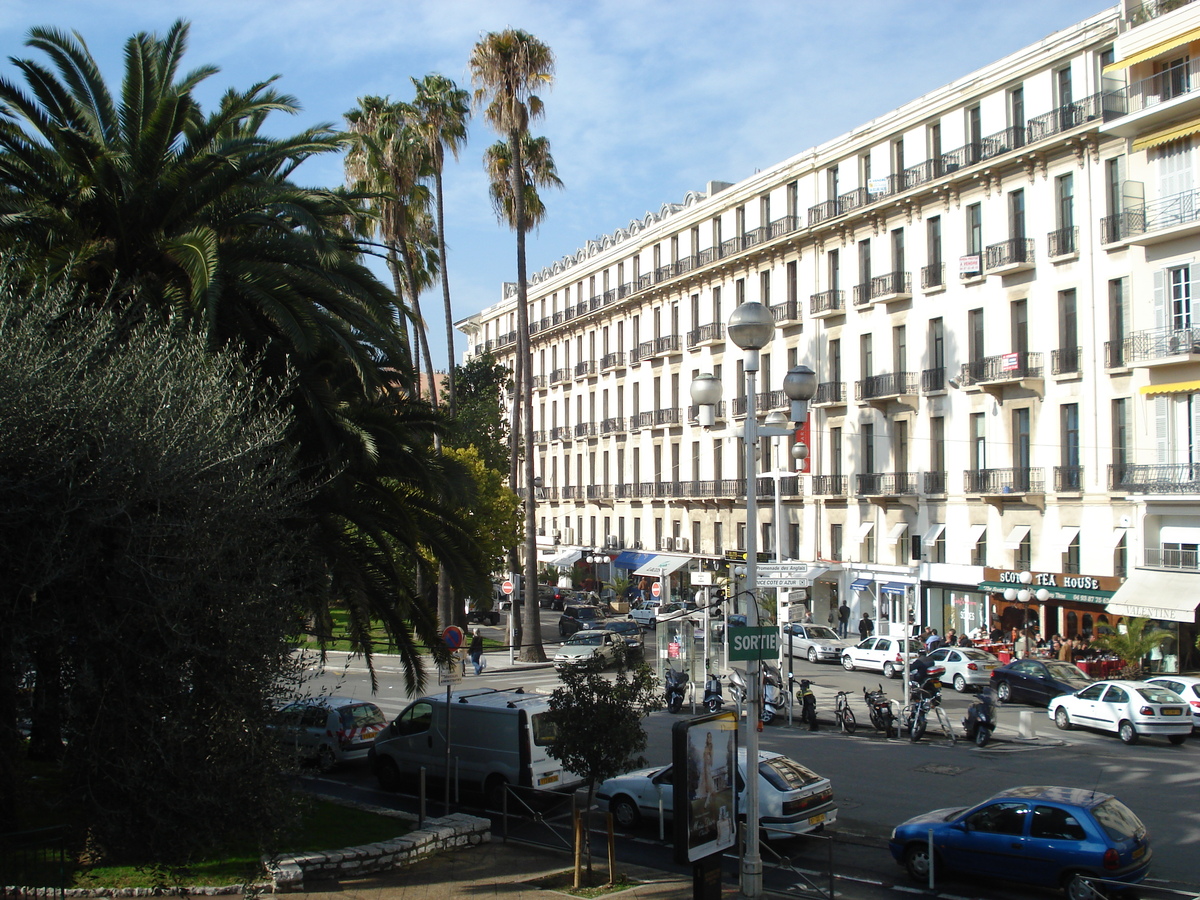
[(590, 643), (815, 643), (1130, 708), (965, 666), (885, 654), (1187, 687), (330, 730), (792, 799)]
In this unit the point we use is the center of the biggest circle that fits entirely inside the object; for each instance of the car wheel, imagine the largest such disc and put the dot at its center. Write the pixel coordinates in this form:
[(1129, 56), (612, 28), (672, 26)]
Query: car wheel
[(326, 758), (625, 812), (562, 633), (889, 670), (1176, 739), (847, 663), (1127, 732), (916, 862), (1003, 692), (387, 773), (1062, 718), (960, 683), (1076, 888), (812, 654)]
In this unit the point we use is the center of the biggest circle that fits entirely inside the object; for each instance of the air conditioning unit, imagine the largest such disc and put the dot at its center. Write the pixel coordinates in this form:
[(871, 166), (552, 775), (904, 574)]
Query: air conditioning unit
[(612, 541), (666, 544), (557, 534), (682, 545), (637, 545), (569, 536)]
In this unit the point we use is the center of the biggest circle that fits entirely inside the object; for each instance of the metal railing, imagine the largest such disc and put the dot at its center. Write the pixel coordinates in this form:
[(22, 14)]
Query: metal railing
[(612, 361), (1172, 558), (1115, 353), (667, 416), (830, 392), (1014, 251), (827, 302), (935, 482), (1021, 480), (933, 380), (1066, 361), (1159, 343), (36, 860), (585, 369), (1063, 241), (892, 384), (1068, 479), (1176, 81), (886, 484), (612, 425), (830, 485), (933, 275), (1005, 367), (786, 312), (586, 430), (1157, 478), (713, 331)]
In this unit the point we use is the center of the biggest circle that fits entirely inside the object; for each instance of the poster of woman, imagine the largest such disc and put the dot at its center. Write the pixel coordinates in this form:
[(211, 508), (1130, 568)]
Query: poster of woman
[(709, 813)]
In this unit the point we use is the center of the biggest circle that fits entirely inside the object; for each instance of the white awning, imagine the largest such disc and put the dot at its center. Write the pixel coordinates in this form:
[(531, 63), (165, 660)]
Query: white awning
[(934, 532), (896, 530), (864, 528), (974, 533), (564, 559), (662, 566), (1013, 541), (1064, 538), (1155, 594), (1117, 535)]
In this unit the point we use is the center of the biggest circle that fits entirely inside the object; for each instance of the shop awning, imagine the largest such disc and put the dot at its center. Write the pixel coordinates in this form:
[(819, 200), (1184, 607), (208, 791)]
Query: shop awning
[(1166, 135), (1117, 535), (934, 532), (565, 559), (896, 530), (1065, 537), (894, 587), (861, 584), (1171, 387), (662, 566), (974, 533), (631, 559), (864, 528), (1013, 541), (1170, 43), (1155, 594)]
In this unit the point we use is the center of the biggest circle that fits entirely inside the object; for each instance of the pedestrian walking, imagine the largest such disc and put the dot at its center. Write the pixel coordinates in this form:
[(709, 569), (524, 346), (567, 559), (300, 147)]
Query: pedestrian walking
[(476, 652), (865, 627), (843, 620)]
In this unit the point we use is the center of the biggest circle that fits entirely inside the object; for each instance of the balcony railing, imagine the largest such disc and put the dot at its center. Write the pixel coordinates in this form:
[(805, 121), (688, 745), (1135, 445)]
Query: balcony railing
[(1025, 480), (585, 369), (1064, 118), (933, 380), (641, 420), (718, 411), (893, 384), (786, 312), (560, 375), (1006, 367), (1115, 353), (586, 430), (1161, 478), (830, 209), (933, 275), (862, 293), (830, 392), (1013, 252), (540, 437), (1175, 81), (830, 485), (668, 343), (645, 350), (827, 302), (612, 425), (1063, 242), (561, 433), (1160, 343), (599, 492), (540, 382), (1066, 361), (1068, 479), (667, 416), (892, 286), (887, 484), (706, 334), (611, 361), (935, 482), (1172, 558), (1178, 209)]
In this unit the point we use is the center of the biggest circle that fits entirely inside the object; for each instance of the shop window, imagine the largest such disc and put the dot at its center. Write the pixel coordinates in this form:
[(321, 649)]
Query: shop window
[(1087, 625), (1072, 624), (1070, 561), (1024, 555)]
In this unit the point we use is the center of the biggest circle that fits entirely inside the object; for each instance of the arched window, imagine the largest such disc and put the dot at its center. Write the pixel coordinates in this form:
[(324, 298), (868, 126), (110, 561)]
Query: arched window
[(1072, 624), (1087, 624)]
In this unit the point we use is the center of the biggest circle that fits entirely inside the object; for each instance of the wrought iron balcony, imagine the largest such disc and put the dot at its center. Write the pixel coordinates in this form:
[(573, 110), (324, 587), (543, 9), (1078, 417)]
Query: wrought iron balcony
[(586, 430), (935, 482), (892, 384), (712, 333), (612, 425), (561, 433), (1012, 255), (1025, 480), (1169, 212), (585, 369), (862, 294), (641, 420), (1161, 478), (822, 212), (1066, 117), (668, 343), (645, 350), (611, 361), (1115, 353), (1160, 344), (540, 437), (1066, 361), (560, 375), (933, 276), (830, 485), (830, 393), (892, 286), (999, 369), (1172, 558), (540, 383), (827, 303), (933, 380), (1063, 242), (1068, 479), (667, 416), (886, 484), (1170, 84), (599, 492), (573, 492), (786, 312)]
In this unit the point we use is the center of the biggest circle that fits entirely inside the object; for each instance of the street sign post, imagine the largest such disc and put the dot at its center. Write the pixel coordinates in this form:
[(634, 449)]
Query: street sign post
[(754, 643)]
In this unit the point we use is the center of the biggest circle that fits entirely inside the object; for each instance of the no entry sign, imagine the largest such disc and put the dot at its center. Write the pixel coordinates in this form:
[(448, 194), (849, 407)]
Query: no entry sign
[(656, 589)]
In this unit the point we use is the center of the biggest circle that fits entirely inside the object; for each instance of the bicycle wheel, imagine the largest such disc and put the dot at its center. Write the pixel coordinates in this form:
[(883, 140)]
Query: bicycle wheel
[(848, 720)]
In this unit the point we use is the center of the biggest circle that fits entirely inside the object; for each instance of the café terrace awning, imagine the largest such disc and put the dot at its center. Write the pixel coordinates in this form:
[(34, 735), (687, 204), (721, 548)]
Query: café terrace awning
[(1155, 594), (631, 559), (662, 565)]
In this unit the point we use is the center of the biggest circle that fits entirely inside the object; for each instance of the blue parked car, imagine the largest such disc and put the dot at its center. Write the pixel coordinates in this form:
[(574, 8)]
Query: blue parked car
[(1046, 836)]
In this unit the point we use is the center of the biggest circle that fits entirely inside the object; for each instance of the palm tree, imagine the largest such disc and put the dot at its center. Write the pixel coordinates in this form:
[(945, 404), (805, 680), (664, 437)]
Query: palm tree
[(1133, 645), (443, 109), (540, 172), (507, 67)]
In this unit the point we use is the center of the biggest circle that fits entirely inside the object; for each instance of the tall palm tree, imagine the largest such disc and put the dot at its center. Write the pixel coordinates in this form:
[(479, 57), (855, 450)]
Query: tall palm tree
[(442, 109), (507, 67)]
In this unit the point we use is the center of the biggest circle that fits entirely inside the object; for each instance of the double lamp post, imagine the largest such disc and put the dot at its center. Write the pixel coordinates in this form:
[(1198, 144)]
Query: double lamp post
[(751, 327)]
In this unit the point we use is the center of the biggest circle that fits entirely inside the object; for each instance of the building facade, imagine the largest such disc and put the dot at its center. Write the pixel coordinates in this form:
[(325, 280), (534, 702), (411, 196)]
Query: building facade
[(994, 285)]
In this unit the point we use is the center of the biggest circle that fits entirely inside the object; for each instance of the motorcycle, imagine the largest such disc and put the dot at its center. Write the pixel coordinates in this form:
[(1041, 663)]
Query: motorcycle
[(773, 698), (737, 689), (980, 720), (924, 696), (808, 704), (678, 687), (713, 698), (879, 707)]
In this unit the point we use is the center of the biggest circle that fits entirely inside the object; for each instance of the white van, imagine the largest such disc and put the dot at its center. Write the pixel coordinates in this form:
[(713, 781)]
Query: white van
[(497, 738)]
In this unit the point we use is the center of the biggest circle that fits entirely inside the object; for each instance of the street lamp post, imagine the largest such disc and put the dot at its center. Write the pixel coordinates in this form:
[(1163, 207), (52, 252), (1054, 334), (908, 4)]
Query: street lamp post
[(751, 327), (598, 558)]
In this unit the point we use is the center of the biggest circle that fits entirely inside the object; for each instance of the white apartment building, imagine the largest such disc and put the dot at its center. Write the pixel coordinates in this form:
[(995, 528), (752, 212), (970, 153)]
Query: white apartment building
[(995, 284)]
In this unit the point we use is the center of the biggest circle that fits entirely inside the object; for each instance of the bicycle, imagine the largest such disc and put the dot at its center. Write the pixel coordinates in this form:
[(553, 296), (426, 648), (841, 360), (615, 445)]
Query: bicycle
[(843, 713)]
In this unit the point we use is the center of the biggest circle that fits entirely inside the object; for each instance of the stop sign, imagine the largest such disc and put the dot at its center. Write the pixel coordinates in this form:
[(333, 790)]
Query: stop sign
[(507, 587), (656, 589)]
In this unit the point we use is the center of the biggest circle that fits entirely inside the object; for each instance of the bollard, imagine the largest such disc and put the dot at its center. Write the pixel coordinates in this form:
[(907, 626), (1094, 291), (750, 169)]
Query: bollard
[(421, 799), (1027, 732)]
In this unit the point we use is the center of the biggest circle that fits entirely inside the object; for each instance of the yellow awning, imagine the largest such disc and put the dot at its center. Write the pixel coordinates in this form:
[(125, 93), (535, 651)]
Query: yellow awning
[(1150, 52), (1176, 387), (1166, 135)]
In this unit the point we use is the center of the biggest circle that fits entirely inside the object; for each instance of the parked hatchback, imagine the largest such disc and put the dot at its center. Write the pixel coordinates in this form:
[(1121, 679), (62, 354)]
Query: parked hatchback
[(884, 654), (576, 618), (965, 666), (1048, 836), (1037, 681), (1130, 708), (330, 730), (816, 643), (1187, 687)]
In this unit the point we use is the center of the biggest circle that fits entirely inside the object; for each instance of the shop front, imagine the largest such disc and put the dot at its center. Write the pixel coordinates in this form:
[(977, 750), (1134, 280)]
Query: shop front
[(1050, 602), (1169, 600)]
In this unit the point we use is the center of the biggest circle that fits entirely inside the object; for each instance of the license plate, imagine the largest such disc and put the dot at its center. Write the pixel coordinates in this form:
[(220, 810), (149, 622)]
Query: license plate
[(817, 819), (1139, 852), (1172, 711), (547, 779)]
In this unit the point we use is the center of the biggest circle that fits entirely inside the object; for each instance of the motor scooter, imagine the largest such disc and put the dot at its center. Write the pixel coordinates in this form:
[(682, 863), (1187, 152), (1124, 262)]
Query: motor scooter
[(677, 689), (713, 698), (808, 704), (774, 701), (883, 717), (980, 720)]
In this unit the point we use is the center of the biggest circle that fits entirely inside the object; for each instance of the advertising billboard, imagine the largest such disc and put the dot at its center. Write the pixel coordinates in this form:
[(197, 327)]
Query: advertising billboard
[(705, 793)]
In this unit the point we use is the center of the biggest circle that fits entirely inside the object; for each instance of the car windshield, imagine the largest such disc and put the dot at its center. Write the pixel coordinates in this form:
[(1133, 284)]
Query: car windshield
[(1158, 694), (624, 627), (1064, 671), (586, 638), (1118, 820), (821, 633), (784, 774), (971, 653), (587, 612), (361, 715)]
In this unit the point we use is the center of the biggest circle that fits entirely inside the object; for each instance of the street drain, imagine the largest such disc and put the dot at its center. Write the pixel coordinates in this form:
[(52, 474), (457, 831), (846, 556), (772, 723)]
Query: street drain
[(935, 769)]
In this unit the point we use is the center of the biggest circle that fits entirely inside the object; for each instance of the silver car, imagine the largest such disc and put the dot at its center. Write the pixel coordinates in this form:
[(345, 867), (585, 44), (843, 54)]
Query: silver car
[(965, 666), (815, 643), (330, 730), (591, 643)]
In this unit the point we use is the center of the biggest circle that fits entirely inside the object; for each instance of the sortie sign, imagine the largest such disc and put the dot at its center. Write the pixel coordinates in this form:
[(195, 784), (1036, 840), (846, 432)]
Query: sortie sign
[(754, 643)]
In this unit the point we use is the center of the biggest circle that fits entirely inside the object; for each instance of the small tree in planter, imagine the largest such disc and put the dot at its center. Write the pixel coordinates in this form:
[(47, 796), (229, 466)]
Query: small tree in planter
[(1132, 646), (599, 723)]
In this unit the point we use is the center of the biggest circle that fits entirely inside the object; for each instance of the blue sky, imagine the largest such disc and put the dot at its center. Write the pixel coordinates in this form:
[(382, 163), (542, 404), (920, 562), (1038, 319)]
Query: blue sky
[(652, 98)]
